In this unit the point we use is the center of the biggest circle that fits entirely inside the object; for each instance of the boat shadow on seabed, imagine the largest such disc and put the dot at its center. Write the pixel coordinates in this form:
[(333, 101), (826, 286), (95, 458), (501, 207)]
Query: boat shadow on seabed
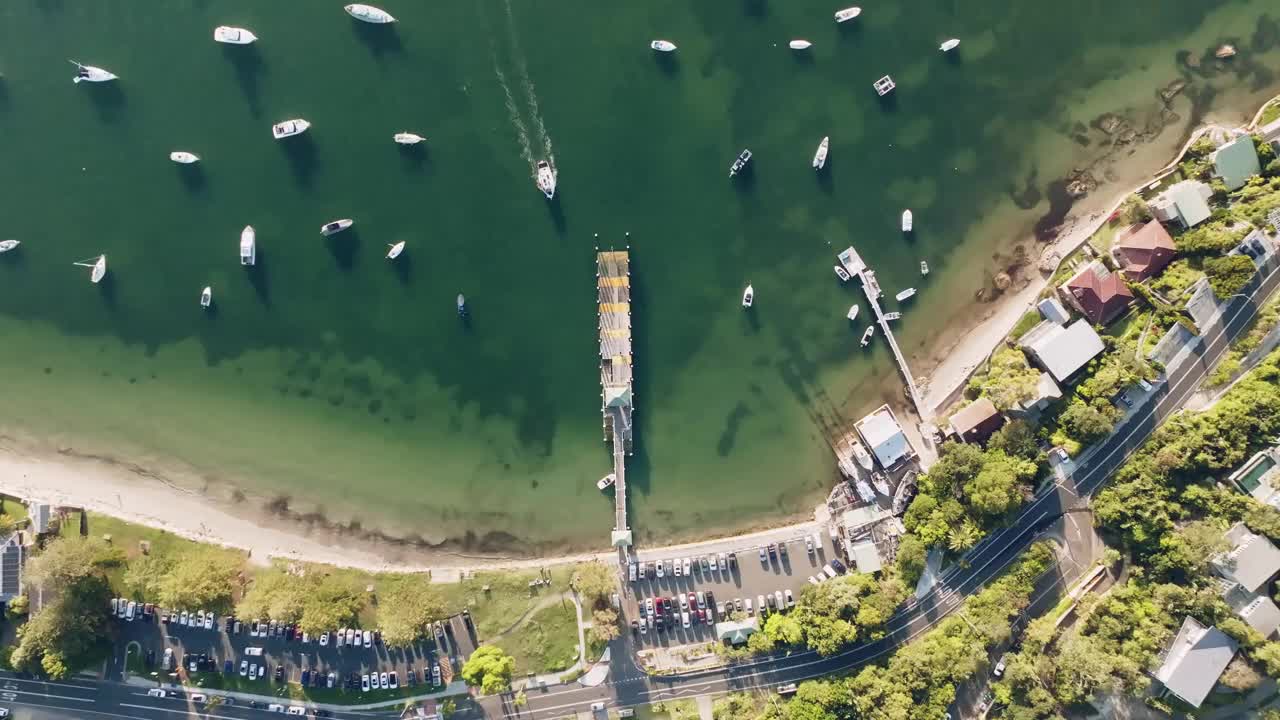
[(380, 39), (249, 68)]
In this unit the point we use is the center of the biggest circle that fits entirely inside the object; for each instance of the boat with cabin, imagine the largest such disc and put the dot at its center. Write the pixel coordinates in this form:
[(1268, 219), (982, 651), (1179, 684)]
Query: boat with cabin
[(604, 482), (663, 46), (740, 163), (853, 312), (893, 316), (90, 73), (841, 273), (233, 35), (866, 335), (206, 297), (97, 268), (407, 138), (248, 246), (907, 221), (462, 305), (183, 157), (880, 484), (847, 14), (748, 296), (289, 128), (546, 179), (820, 157), (924, 268), (860, 454), (906, 294), (335, 227), (949, 45), (884, 86), (7, 245), (369, 14)]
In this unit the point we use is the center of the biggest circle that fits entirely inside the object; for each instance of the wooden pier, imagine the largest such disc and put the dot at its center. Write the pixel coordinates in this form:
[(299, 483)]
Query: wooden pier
[(853, 263), (613, 297)]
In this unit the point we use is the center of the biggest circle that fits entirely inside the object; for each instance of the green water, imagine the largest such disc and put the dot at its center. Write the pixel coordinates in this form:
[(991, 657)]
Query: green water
[(348, 384)]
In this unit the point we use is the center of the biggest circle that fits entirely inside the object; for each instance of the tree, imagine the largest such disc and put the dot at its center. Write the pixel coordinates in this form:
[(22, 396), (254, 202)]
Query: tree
[(783, 629), (912, 555), (19, 606), (1016, 439), (1209, 239), (313, 598), (407, 606), (201, 577), (67, 561), (1085, 423), (520, 699), (1269, 656), (1133, 210), (69, 624), (1239, 675), (734, 706), (1228, 275), (1009, 380), (604, 625), (964, 537), (593, 581), (995, 490), (490, 669)]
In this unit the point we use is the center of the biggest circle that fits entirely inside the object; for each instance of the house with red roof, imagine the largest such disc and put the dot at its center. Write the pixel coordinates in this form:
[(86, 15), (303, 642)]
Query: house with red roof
[(1143, 251), (1098, 293)]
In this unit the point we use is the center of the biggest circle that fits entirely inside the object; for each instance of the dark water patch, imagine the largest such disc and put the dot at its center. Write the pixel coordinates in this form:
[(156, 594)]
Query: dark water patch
[(667, 62), (1060, 202), (300, 151), (1029, 195), (732, 423), (402, 266), (556, 209), (1266, 36), (192, 177), (260, 277), (380, 40), (756, 9), (108, 98), (249, 69), (345, 248)]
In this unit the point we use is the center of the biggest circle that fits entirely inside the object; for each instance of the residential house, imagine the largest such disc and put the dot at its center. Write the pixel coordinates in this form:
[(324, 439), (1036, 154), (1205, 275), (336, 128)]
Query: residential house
[(883, 435), (1053, 311), (1062, 351), (1144, 252), (1186, 202), (1255, 609), (1257, 477), (1098, 293), (1235, 162), (1194, 661), (1251, 562), (977, 421), (1202, 304), (1046, 392), (12, 558)]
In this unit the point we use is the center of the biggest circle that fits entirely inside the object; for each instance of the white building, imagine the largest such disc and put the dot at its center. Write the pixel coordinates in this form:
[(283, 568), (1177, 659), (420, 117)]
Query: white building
[(883, 435)]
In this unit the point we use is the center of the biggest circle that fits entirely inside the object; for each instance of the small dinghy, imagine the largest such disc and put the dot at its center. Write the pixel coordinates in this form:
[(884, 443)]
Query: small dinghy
[(233, 35), (97, 268), (89, 73), (606, 481), (663, 46), (748, 296), (949, 45), (407, 138), (183, 157), (841, 273), (866, 335), (462, 305), (820, 157), (206, 297), (906, 221), (924, 268), (289, 128), (546, 179), (369, 14), (335, 227), (799, 44), (848, 14), (906, 294), (7, 245), (1225, 52), (248, 246), (853, 312), (862, 456), (394, 251)]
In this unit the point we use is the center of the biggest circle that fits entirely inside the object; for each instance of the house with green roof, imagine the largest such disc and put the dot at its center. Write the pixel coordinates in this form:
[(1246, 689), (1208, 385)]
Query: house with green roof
[(1235, 162)]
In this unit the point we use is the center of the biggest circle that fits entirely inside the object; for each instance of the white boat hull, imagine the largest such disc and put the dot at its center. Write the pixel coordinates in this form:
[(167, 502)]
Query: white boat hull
[(906, 294), (206, 297), (289, 128), (907, 222), (89, 73), (7, 245), (820, 157), (949, 45), (848, 14), (394, 251), (335, 227), (408, 138), (184, 158), (853, 312), (97, 269), (546, 179), (841, 273), (606, 481), (248, 246), (748, 297), (369, 14), (233, 35), (665, 46), (800, 44)]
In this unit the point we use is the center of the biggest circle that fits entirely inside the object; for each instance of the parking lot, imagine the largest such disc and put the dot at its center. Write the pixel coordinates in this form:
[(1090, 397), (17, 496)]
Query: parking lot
[(745, 579), (264, 663)]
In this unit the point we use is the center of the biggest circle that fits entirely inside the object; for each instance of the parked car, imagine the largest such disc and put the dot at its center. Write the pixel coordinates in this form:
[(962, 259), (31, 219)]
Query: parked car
[(686, 567), (737, 604), (394, 682), (329, 681), (706, 565), (382, 683), (684, 618), (791, 600), (782, 549), (156, 692), (1000, 665), (724, 563), (306, 676), (748, 604), (262, 671), (368, 639), (661, 571), (253, 670), (677, 567), (227, 667), (244, 668), (808, 545), (733, 560), (839, 566), (787, 690), (364, 683), (764, 556)]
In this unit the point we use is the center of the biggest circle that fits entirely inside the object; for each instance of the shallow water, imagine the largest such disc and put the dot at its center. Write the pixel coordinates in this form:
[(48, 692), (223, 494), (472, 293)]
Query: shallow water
[(348, 385)]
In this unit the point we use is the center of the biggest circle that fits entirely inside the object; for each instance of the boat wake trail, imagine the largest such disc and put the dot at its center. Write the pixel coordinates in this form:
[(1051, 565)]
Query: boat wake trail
[(522, 133), (541, 137)]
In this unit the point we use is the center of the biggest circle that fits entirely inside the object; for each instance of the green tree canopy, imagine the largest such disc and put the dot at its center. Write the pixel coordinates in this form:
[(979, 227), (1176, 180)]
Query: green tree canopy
[(489, 669), (1228, 275), (594, 581), (407, 606)]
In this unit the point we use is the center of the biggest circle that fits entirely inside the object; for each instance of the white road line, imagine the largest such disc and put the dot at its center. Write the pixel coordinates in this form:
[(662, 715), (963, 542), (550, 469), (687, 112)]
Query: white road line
[(9, 679), (47, 695)]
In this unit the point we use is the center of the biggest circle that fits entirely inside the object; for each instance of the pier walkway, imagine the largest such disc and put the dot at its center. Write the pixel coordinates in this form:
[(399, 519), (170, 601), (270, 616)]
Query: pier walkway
[(613, 297), (854, 264)]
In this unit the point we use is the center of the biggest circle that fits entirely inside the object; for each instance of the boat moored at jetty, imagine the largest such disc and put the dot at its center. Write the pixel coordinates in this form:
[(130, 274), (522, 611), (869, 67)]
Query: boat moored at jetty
[(663, 45), (740, 163), (841, 273), (893, 316), (369, 14), (907, 222), (393, 251), (289, 128), (604, 482), (905, 294), (949, 45), (7, 245), (853, 312), (860, 454), (884, 86), (820, 157), (407, 138), (748, 296), (847, 14), (206, 297), (233, 35), (183, 157), (866, 335), (546, 179), (248, 246), (97, 268), (89, 73), (335, 227)]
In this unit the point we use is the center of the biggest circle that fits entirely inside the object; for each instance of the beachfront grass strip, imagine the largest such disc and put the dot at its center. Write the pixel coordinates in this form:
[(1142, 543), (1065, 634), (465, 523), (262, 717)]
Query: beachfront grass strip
[(546, 641), (498, 601), (294, 691), (1270, 113), (15, 513)]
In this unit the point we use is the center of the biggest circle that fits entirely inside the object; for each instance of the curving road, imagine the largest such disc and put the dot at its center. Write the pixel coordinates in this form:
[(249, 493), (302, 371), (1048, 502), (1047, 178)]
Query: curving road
[(629, 686)]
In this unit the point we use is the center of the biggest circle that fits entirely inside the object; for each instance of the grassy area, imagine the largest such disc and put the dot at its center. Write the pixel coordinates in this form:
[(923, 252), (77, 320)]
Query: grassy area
[(1105, 237), (498, 600), (1130, 321), (1270, 113), (1025, 323), (14, 510), (1177, 277), (670, 710), (546, 642)]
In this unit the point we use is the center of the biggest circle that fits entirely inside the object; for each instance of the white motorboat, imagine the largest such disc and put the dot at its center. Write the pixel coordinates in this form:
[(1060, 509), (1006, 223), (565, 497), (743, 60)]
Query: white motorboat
[(7, 245), (924, 268), (407, 138), (820, 157), (233, 35), (906, 294), (89, 73), (206, 297), (546, 179), (893, 316), (866, 335), (848, 14), (369, 14), (949, 45), (335, 227), (462, 305), (841, 273), (879, 483), (606, 481), (748, 296), (853, 312), (98, 268), (884, 86), (393, 251), (248, 246), (740, 163), (860, 454), (184, 157), (289, 128), (906, 221), (800, 44), (663, 45)]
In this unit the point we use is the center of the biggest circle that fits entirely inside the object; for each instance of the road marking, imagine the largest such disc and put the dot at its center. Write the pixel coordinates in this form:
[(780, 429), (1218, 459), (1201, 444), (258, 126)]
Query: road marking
[(47, 695)]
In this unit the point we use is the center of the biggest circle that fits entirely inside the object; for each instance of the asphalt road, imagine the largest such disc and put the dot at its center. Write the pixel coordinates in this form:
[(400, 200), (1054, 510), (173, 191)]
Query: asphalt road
[(81, 699)]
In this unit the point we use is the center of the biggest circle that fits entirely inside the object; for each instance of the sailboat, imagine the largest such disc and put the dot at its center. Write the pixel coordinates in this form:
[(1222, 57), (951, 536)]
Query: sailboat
[(395, 250), (248, 246), (89, 73), (7, 245), (206, 297), (820, 157), (98, 268)]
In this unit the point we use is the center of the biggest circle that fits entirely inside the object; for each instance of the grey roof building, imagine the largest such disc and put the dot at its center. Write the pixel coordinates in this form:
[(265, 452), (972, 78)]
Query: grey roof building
[(11, 560), (41, 515), (1187, 202), (1252, 560), (1235, 162), (1195, 661), (1255, 609), (1053, 311), (1062, 351)]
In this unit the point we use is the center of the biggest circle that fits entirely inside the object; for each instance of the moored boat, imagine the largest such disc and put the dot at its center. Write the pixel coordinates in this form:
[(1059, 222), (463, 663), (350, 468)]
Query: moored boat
[(853, 312), (183, 157), (233, 35), (462, 305), (884, 86), (546, 179), (866, 335), (799, 44), (740, 163), (394, 251), (841, 273), (289, 128), (606, 481), (206, 297), (748, 296), (949, 45), (663, 45), (7, 245), (369, 14), (89, 73), (860, 454), (1224, 52), (848, 14), (97, 268), (893, 316), (407, 138), (335, 227), (924, 268), (820, 157), (905, 294), (907, 222), (248, 246)]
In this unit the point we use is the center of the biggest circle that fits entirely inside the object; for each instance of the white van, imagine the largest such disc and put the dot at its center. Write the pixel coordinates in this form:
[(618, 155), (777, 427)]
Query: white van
[(130, 610), (253, 651), (275, 707)]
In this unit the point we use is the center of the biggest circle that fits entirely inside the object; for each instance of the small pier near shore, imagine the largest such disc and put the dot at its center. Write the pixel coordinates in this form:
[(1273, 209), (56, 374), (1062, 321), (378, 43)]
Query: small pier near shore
[(613, 298), (853, 263)]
